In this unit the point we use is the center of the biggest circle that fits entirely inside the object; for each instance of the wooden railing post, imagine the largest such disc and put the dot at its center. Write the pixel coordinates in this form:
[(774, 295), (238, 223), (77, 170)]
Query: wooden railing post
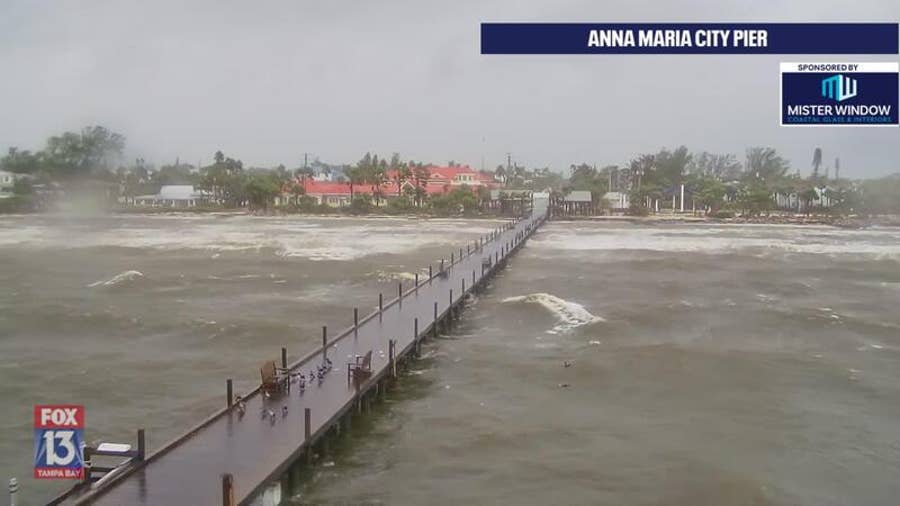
[(228, 393), (283, 357), (228, 490), (141, 445), (324, 341)]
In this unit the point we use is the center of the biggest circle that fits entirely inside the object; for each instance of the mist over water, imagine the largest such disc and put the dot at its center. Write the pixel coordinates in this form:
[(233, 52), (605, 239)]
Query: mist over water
[(709, 364)]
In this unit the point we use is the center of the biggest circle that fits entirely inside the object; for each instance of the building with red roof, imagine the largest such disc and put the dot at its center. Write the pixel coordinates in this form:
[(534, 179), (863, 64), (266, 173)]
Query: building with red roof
[(440, 180)]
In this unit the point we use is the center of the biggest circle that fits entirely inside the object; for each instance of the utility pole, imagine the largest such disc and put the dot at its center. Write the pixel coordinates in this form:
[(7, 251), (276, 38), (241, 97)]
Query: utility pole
[(482, 153)]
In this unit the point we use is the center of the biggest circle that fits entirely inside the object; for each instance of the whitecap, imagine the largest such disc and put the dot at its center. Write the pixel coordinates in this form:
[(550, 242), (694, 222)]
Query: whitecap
[(122, 277), (570, 314)]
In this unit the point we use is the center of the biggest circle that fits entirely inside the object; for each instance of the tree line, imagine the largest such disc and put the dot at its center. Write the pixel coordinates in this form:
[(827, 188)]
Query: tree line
[(723, 185), (718, 182)]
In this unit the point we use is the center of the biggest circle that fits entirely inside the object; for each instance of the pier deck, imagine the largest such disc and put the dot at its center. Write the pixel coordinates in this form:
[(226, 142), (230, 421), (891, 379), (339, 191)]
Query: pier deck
[(256, 451)]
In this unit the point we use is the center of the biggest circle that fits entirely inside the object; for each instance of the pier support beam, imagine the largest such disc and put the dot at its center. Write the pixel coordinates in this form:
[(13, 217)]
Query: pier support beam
[(307, 434), (356, 321), (229, 393), (324, 341)]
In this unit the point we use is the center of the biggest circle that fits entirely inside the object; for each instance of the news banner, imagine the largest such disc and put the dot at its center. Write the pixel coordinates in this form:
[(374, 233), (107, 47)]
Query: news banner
[(824, 93)]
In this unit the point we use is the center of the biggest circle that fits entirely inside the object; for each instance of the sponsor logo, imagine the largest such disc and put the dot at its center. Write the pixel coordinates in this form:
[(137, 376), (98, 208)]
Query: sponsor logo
[(839, 94)]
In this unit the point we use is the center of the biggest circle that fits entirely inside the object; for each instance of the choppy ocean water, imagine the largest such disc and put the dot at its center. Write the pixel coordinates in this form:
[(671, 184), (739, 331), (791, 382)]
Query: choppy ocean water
[(707, 364)]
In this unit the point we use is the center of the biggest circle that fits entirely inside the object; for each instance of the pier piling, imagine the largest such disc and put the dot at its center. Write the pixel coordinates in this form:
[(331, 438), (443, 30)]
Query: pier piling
[(229, 397), (391, 359)]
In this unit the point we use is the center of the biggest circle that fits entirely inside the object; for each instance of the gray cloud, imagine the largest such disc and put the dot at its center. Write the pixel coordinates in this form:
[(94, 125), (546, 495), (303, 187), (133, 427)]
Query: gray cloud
[(267, 81)]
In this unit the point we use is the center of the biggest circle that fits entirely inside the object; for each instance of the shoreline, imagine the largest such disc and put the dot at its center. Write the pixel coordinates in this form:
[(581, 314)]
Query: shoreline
[(777, 219), (790, 220)]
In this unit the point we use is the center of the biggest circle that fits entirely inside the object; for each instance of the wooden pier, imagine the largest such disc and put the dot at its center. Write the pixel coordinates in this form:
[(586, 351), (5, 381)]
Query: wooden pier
[(233, 458)]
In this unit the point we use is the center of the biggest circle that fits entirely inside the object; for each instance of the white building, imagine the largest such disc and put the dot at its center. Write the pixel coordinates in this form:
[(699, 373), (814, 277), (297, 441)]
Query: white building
[(618, 201), (8, 182), (174, 195)]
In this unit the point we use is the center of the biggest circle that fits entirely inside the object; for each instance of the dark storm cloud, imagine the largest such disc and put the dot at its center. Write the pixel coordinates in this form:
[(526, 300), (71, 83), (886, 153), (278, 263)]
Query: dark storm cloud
[(267, 81)]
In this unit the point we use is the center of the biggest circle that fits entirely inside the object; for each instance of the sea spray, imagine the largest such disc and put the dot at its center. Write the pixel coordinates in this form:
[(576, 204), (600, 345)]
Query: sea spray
[(570, 314)]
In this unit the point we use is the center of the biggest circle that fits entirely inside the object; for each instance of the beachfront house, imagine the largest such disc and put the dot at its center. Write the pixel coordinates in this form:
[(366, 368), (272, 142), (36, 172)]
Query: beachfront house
[(578, 202), (174, 195), (8, 182), (440, 180)]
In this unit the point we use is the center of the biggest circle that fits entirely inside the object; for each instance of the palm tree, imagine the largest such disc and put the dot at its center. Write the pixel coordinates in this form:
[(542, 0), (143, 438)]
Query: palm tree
[(500, 174)]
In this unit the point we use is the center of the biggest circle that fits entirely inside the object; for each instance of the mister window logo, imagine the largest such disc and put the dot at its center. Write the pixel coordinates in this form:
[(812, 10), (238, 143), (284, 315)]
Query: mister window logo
[(839, 94), (839, 87)]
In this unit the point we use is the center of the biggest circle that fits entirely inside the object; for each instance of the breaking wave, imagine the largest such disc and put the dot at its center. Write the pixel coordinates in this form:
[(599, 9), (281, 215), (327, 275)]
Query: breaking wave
[(118, 279), (570, 314)]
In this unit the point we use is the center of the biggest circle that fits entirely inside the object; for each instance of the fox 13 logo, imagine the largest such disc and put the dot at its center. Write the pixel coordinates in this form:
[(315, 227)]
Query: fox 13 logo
[(839, 94), (59, 442)]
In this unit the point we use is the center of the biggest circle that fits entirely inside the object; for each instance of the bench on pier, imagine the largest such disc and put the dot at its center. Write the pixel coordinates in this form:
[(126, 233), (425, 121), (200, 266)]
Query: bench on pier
[(274, 378), (360, 369)]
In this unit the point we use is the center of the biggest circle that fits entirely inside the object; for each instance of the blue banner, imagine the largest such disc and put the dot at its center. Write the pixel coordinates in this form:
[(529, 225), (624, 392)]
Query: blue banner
[(690, 38)]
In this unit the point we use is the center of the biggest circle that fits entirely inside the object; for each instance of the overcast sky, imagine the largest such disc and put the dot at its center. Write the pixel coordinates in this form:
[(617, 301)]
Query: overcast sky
[(268, 81)]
